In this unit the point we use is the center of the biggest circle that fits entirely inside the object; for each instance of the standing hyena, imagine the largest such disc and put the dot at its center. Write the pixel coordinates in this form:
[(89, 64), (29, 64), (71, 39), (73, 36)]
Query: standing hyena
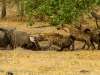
[(78, 34), (58, 40), (95, 34)]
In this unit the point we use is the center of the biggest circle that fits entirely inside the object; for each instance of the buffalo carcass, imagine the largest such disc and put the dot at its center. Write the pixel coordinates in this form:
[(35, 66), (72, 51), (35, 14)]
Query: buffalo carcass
[(4, 40), (21, 39)]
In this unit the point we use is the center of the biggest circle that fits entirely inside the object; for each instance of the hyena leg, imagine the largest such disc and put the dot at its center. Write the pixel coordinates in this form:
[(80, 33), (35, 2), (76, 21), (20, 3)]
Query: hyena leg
[(90, 44), (98, 48), (49, 45), (83, 47), (93, 45), (72, 46), (61, 48)]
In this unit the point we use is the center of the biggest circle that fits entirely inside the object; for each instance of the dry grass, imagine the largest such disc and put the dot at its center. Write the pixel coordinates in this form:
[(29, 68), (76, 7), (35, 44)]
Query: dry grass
[(24, 62)]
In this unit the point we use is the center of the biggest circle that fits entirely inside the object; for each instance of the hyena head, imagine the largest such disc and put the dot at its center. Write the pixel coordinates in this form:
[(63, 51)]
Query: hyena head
[(62, 27), (59, 27), (79, 26), (40, 38)]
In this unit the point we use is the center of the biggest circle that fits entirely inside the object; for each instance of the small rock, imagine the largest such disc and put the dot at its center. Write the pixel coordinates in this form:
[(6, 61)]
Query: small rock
[(10, 73), (84, 71)]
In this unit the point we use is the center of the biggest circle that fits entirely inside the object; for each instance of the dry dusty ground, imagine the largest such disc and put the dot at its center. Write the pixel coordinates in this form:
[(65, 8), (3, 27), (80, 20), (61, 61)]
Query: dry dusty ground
[(27, 62)]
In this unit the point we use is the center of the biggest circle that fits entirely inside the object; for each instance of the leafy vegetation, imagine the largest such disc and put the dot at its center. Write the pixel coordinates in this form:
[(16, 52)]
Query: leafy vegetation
[(65, 11)]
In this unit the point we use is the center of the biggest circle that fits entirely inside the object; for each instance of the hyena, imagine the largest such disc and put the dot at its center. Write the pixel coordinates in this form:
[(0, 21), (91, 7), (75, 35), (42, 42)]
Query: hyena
[(95, 35), (78, 34), (58, 40)]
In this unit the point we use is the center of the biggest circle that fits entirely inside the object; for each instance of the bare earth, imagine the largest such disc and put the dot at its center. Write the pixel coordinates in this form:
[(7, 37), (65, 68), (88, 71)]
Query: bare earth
[(27, 62)]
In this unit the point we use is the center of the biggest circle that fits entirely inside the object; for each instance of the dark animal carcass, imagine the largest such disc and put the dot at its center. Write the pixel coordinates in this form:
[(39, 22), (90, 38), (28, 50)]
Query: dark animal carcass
[(4, 40), (21, 39)]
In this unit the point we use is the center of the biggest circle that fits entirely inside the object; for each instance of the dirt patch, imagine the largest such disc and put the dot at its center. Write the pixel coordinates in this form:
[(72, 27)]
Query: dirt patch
[(22, 62)]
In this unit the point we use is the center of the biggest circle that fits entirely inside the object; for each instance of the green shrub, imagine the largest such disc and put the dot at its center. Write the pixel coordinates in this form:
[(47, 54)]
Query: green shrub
[(66, 11), (55, 21)]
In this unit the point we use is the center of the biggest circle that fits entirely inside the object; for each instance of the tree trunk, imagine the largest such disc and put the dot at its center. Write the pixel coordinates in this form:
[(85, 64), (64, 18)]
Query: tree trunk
[(22, 11), (3, 9), (20, 8)]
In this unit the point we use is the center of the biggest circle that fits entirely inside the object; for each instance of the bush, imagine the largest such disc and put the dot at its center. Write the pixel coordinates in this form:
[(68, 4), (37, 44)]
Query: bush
[(55, 21), (65, 11)]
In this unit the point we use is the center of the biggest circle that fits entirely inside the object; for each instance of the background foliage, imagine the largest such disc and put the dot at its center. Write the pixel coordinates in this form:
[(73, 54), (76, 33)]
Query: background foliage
[(65, 11)]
